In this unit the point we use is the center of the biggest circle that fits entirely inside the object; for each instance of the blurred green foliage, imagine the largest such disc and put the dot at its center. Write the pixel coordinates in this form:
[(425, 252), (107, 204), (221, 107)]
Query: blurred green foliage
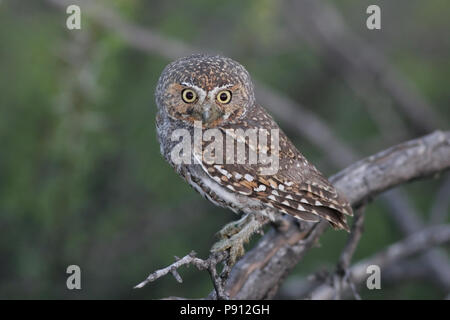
[(81, 178)]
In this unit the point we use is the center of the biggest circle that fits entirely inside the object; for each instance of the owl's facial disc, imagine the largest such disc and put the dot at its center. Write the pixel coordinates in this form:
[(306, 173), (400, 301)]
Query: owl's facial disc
[(204, 108), (213, 107), (213, 89)]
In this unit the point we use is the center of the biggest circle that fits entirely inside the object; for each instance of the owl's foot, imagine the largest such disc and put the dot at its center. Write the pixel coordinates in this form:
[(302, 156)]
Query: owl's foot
[(235, 235), (234, 244), (233, 227)]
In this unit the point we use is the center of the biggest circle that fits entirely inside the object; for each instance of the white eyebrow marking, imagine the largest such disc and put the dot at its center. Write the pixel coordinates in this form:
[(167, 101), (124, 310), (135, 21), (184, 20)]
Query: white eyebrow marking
[(201, 93), (212, 93)]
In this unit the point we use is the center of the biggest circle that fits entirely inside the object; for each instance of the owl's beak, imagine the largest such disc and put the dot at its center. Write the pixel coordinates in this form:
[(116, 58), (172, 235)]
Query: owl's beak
[(210, 112), (206, 115)]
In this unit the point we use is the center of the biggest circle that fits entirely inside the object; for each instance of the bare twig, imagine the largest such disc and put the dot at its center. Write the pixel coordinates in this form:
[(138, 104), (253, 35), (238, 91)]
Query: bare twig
[(191, 259), (299, 287), (408, 221), (188, 259), (353, 240), (218, 282), (414, 244), (342, 275)]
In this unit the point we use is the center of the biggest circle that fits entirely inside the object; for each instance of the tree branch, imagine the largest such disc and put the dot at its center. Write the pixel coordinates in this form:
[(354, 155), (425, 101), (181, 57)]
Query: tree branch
[(259, 273), (341, 274), (186, 260), (399, 271), (414, 244), (409, 222), (353, 240), (209, 264)]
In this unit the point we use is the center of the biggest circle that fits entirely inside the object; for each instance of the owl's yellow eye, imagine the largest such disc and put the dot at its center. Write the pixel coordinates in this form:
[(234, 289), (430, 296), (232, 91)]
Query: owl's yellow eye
[(188, 95), (224, 96)]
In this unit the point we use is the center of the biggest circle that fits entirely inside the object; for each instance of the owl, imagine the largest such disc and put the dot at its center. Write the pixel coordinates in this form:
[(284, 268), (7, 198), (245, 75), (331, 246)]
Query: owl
[(203, 96)]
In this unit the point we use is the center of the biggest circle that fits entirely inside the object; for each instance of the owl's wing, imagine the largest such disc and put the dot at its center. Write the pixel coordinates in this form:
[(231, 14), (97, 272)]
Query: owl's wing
[(306, 200), (297, 188)]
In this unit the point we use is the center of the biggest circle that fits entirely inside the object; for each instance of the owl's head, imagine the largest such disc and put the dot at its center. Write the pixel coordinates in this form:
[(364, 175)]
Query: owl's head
[(211, 89)]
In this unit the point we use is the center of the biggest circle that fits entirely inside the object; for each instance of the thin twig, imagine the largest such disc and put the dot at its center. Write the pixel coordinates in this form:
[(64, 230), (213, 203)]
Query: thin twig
[(353, 240), (186, 260), (409, 222), (218, 284), (209, 264), (342, 274), (414, 244)]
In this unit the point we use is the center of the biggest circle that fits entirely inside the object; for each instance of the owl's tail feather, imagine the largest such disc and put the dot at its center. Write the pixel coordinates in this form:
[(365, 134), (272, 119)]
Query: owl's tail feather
[(342, 224), (313, 214), (302, 215), (336, 218)]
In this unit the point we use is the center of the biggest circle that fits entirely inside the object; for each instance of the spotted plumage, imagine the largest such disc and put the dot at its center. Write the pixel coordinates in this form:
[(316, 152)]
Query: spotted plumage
[(212, 95)]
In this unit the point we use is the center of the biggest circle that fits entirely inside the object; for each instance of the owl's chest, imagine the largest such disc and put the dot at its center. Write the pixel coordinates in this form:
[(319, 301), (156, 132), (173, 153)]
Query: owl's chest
[(211, 190), (217, 194)]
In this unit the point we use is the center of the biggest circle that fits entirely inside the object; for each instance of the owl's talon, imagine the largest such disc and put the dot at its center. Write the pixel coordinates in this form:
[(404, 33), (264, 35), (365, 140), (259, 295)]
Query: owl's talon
[(221, 245), (234, 235), (228, 231), (235, 245), (233, 228)]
